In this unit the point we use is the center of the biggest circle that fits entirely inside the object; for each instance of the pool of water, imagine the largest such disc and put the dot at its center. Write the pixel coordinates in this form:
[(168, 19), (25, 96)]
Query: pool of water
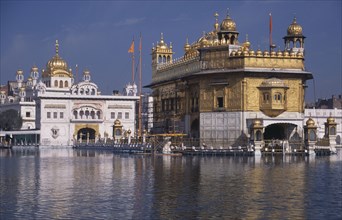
[(63, 183)]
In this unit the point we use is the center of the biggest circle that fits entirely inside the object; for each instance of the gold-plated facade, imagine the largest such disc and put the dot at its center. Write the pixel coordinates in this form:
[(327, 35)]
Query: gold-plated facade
[(217, 74)]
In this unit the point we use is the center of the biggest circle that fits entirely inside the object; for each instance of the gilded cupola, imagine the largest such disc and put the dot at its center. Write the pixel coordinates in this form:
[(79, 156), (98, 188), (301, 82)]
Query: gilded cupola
[(294, 40), (294, 29), (228, 33), (310, 122), (228, 24), (56, 65)]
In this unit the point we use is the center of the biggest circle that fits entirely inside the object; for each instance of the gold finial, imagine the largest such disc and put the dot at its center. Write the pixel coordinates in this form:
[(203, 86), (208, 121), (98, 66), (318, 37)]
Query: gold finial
[(57, 45), (246, 37), (187, 40), (161, 37), (227, 12), (216, 25)]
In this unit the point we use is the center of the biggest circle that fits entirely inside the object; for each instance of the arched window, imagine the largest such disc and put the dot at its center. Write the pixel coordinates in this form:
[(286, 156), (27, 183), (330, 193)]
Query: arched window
[(60, 84), (258, 135), (87, 114), (66, 84), (332, 131), (92, 114), (98, 113), (160, 59), (118, 132), (93, 92), (75, 114), (232, 39), (266, 97), (312, 135), (56, 83), (81, 114)]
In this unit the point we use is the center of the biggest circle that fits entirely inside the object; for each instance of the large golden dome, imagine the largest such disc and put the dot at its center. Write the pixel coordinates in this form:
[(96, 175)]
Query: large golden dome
[(56, 65), (228, 24), (294, 29)]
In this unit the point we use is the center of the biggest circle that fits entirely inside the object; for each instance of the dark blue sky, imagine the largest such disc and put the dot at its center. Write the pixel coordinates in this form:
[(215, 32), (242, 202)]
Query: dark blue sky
[(97, 34)]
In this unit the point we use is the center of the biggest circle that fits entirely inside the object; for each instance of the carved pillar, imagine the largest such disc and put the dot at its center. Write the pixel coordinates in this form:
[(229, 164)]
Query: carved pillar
[(257, 137), (310, 135), (330, 132)]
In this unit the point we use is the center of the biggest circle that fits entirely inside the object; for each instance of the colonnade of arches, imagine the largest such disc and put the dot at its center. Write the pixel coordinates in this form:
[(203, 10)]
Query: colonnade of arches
[(87, 114), (61, 84)]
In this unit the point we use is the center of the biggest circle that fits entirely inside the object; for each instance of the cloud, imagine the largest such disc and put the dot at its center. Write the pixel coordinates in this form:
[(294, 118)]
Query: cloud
[(129, 22)]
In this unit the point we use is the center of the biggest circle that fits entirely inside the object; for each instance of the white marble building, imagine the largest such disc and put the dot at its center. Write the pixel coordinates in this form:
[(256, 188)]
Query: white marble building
[(64, 111)]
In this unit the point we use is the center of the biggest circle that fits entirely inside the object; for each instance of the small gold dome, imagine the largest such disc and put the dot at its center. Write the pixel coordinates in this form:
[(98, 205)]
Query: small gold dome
[(300, 54), (251, 53), (246, 53), (279, 53), (233, 53), (162, 44), (129, 131), (228, 24), (117, 122), (330, 120), (286, 54), (292, 54), (187, 45), (22, 89), (29, 78), (259, 53), (256, 122), (266, 53), (34, 69), (246, 45), (294, 29), (86, 72), (273, 53), (310, 122), (20, 72)]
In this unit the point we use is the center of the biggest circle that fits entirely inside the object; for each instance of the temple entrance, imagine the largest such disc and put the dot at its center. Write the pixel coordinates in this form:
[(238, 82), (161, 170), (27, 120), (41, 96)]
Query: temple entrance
[(195, 128), (86, 133), (275, 131)]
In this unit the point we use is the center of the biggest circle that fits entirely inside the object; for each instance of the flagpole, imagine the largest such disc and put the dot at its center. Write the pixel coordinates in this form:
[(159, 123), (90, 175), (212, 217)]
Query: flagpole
[(133, 62), (270, 32), (140, 98)]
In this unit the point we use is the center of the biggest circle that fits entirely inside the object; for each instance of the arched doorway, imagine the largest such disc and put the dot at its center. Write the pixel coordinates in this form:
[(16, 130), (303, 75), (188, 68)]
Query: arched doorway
[(275, 131), (85, 133), (195, 128)]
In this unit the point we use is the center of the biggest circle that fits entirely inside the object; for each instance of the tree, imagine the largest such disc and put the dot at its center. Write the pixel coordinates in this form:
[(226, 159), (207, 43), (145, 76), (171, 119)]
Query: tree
[(10, 120)]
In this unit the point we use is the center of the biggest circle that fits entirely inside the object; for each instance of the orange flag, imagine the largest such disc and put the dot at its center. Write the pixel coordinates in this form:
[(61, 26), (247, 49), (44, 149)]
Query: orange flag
[(131, 48)]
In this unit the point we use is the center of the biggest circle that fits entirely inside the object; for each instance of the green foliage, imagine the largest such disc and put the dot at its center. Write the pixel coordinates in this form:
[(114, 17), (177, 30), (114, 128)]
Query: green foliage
[(10, 120)]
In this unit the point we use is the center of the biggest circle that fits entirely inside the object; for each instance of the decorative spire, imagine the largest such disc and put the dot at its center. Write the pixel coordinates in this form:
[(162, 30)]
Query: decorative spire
[(57, 46), (216, 25), (246, 37), (227, 12), (161, 38)]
